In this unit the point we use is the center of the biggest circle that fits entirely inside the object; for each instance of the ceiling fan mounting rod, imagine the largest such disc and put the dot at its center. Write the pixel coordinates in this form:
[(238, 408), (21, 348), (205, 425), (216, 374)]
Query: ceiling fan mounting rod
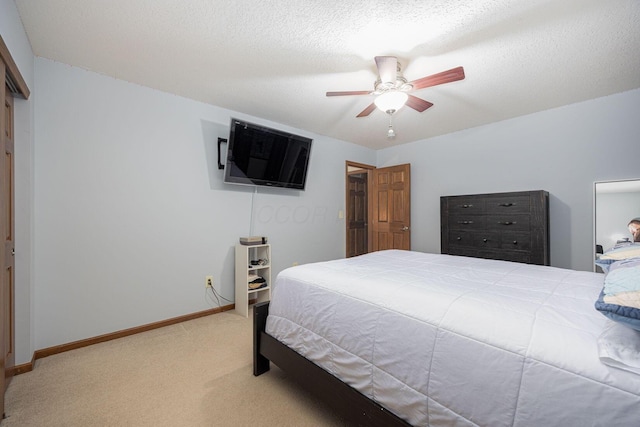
[(400, 83)]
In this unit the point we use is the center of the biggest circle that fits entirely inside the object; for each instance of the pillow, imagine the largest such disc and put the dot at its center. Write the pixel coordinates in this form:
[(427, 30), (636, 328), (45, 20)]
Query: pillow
[(623, 276), (628, 316), (630, 299), (624, 252), (619, 346), (605, 264)]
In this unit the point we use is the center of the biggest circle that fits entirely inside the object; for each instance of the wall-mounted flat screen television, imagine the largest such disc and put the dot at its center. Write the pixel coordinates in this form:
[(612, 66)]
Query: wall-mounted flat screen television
[(258, 155)]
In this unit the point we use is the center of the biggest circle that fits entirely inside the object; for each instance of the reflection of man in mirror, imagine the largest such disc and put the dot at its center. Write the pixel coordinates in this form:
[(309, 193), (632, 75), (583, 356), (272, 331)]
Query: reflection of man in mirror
[(634, 228)]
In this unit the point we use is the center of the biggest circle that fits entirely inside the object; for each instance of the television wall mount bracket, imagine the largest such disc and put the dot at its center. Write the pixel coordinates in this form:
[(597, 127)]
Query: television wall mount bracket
[(220, 141)]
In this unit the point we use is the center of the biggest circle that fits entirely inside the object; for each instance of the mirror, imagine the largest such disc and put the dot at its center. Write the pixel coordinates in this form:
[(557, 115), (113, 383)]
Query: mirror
[(615, 204)]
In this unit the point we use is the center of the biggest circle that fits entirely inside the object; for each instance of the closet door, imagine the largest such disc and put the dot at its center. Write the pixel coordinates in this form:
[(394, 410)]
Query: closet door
[(7, 219), (3, 296), (11, 82)]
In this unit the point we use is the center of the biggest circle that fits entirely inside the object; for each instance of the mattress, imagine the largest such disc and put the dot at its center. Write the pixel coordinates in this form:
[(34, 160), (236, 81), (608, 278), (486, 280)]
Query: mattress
[(447, 340)]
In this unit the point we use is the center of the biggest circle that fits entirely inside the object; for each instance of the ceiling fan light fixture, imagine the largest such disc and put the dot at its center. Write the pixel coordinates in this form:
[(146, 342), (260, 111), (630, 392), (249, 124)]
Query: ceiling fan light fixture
[(391, 100)]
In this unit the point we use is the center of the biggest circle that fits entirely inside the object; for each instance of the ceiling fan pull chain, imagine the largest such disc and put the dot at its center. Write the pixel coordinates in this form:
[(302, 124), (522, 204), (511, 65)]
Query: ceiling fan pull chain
[(391, 133)]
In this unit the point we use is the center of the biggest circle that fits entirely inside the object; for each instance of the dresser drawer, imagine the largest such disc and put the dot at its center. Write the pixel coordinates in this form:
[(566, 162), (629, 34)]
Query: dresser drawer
[(487, 239), (515, 241), (467, 222), (475, 239), (496, 240), (470, 205), (461, 238), (508, 222), (507, 205)]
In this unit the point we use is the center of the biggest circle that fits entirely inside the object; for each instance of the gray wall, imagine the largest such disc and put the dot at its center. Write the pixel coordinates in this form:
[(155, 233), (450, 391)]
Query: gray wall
[(132, 212), (563, 150)]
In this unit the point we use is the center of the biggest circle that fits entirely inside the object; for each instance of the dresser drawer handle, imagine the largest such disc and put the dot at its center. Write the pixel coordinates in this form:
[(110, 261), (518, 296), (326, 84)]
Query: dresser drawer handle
[(506, 222), (515, 242), (506, 205), (458, 238), (485, 240), (466, 206), (465, 222)]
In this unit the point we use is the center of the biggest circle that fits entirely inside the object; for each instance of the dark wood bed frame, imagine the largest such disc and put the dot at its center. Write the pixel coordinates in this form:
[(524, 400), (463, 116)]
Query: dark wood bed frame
[(350, 404)]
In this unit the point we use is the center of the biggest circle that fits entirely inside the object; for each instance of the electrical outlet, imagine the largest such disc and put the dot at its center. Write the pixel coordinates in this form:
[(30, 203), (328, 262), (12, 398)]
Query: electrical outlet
[(208, 282)]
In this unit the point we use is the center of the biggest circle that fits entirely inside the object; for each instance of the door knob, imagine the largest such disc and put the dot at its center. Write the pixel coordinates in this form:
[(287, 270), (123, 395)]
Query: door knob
[(405, 228)]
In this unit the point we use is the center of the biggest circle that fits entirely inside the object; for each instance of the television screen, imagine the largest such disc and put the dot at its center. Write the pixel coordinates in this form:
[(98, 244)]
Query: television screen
[(258, 155)]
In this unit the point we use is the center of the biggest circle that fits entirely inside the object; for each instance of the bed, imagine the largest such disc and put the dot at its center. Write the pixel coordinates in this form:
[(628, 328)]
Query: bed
[(408, 338)]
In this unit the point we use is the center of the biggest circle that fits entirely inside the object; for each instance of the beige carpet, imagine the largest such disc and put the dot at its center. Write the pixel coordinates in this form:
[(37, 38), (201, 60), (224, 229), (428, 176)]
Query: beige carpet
[(196, 373)]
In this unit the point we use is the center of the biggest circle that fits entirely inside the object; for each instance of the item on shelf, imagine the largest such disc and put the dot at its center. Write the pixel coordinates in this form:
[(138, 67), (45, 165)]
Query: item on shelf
[(253, 240), (256, 282), (253, 278), (258, 285), (261, 261)]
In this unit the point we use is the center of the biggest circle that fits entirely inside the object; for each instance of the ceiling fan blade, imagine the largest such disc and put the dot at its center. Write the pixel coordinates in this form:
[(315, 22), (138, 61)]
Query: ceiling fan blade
[(387, 68), (448, 76), (367, 110), (418, 104), (351, 92)]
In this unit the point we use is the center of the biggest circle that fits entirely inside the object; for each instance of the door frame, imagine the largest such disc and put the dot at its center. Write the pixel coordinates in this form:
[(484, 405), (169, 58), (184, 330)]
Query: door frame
[(16, 83), (353, 167)]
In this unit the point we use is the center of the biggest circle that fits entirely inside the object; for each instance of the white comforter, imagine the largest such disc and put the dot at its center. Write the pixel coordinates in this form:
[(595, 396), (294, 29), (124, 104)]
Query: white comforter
[(445, 340)]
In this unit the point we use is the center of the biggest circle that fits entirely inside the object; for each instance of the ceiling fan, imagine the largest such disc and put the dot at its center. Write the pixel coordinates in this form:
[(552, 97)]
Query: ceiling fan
[(391, 87)]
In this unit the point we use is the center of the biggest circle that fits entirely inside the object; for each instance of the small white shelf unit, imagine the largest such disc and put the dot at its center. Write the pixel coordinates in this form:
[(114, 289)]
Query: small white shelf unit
[(245, 254)]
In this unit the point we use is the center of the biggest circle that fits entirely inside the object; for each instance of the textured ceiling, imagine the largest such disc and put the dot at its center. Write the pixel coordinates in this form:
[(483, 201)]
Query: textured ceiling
[(276, 59)]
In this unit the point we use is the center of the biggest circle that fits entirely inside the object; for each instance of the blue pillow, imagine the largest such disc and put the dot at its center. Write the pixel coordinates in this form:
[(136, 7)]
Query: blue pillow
[(605, 264), (629, 316), (605, 261), (623, 276), (624, 252)]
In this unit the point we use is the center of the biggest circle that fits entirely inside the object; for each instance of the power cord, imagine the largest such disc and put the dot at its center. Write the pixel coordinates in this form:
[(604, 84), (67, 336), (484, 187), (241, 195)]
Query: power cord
[(214, 297)]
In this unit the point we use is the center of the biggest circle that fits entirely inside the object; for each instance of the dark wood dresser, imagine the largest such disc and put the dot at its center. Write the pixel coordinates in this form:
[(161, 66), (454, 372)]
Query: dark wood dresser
[(506, 226)]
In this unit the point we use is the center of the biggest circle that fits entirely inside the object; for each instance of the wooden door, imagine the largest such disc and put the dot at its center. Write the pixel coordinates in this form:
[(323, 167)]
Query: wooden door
[(357, 213), (3, 297), (11, 82), (391, 219), (7, 218)]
